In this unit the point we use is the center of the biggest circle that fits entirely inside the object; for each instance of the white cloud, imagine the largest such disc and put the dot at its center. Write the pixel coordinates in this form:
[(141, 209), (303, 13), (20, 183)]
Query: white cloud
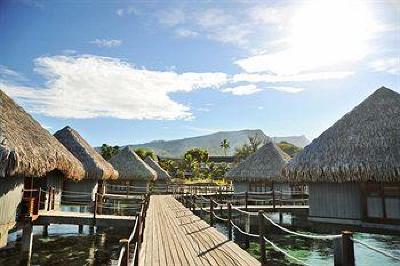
[(389, 65), (271, 78), (315, 39), (69, 52), (203, 109), (8, 73), (243, 90), (89, 86), (126, 11), (184, 33), (106, 43), (270, 15), (172, 17), (288, 89)]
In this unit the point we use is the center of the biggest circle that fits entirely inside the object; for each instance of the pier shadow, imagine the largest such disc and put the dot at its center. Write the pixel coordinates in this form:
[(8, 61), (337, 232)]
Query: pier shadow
[(198, 231), (213, 248)]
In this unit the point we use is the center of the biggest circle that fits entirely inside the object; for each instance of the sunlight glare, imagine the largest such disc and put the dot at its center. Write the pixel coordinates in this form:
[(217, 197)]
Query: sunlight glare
[(328, 33)]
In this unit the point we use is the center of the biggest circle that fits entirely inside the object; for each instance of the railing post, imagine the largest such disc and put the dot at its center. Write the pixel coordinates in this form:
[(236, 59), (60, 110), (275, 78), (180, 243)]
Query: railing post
[(193, 202), (246, 198), (273, 198), (95, 207), (39, 198), (261, 232), (49, 199), (211, 212), (230, 221), (347, 249), (125, 242)]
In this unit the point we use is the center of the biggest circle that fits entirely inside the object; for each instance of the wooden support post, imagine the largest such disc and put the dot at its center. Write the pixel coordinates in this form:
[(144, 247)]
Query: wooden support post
[(211, 212), (230, 221), (80, 229), (27, 237), (53, 198), (95, 203), (125, 260), (45, 232), (347, 249), (49, 199), (100, 200), (193, 203), (280, 217), (39, 199), (273, 197), (247, 230), (246, 198), (261, 232)]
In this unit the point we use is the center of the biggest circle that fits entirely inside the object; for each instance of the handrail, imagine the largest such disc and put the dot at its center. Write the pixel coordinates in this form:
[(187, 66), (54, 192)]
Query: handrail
[(320, 237), (345, 245), (135, 236), (121, 255)]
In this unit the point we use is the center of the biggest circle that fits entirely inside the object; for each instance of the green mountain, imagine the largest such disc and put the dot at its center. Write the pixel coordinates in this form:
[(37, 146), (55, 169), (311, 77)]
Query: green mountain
[(176, 148)]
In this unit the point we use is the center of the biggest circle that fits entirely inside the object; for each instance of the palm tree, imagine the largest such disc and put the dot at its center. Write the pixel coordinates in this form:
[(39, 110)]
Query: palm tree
[(225, 145)]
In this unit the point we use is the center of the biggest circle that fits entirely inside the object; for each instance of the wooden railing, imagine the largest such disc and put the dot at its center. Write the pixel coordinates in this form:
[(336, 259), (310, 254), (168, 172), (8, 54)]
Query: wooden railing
[(135, 239)]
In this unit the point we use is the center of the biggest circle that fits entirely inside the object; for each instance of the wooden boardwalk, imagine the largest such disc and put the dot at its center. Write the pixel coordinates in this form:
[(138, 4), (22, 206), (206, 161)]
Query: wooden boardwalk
[(173, 235), (82, 218)]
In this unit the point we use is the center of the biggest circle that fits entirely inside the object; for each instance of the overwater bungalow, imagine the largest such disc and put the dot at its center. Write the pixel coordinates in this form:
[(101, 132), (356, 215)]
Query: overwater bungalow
[(353, 168), (163, 177), (261, 171), (133, 171), (96, 167), (30, 158)]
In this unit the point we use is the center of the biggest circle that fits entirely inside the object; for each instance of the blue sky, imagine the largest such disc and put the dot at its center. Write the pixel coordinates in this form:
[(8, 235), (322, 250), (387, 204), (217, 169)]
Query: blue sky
[(133, 71)]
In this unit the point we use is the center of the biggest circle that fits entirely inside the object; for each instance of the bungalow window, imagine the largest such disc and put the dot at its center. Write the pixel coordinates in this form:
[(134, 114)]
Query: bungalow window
[(382, 202)]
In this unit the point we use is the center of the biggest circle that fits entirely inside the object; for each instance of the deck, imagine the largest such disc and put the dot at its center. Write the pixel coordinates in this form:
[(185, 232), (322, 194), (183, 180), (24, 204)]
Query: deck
[(81, 218), (173, 235)]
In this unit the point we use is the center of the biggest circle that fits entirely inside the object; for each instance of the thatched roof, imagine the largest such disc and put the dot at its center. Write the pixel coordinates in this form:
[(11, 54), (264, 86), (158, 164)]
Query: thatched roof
[(27, 149), (364, 145), (265, 164), (162, 175), (131, 167), (95, 166)]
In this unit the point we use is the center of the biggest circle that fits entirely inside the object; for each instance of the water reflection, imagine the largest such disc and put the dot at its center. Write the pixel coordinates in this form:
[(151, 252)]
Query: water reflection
[(313, 252)]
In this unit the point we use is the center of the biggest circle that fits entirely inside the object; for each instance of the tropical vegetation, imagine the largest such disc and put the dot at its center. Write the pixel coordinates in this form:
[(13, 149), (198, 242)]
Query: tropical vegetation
[(108, 151), (289, 148)]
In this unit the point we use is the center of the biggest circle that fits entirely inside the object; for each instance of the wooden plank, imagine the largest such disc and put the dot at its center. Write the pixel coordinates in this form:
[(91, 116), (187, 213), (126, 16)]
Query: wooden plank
[(175, 236)]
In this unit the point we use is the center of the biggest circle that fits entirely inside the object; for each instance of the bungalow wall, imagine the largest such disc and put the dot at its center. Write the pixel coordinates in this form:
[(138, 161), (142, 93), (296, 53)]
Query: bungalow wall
[(88, 187), (54, 180), (119, 186), (339, 201), (243, 186), (10, 199)]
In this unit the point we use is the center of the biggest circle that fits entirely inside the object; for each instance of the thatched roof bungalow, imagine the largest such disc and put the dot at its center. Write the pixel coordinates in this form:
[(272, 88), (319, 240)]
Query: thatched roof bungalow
[(353, 167), (162, 175), (132, 169), (28, 154), (96, 167), (260, 170)]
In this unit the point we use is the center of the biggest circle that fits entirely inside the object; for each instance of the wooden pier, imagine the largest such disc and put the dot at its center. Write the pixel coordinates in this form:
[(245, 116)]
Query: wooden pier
[(173, 235), (82, 218)]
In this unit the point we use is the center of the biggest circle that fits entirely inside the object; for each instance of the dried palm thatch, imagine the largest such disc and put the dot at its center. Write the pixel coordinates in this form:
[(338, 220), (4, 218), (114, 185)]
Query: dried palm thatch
[(95, 166), (265, 164), (27, 149), (364, 145), (162, 175), (131, 167)]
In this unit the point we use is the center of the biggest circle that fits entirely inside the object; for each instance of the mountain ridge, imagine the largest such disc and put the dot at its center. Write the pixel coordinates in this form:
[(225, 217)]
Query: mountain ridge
[(176, 148)]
